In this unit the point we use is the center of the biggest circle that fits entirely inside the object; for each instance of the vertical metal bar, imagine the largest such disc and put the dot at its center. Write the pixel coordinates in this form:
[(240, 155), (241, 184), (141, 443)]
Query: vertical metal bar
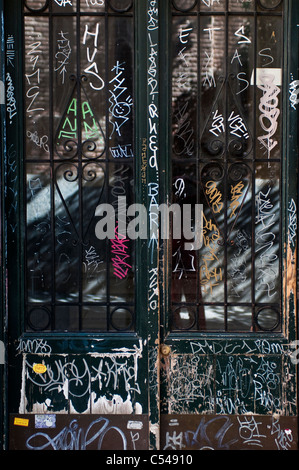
[(291, 191), (23, 203), (198, 158), (52, 164), (254, 133), (283, 139), (14, 311), (3, 366), (107, 173), (225, 163), (80, 165), (153, 97)]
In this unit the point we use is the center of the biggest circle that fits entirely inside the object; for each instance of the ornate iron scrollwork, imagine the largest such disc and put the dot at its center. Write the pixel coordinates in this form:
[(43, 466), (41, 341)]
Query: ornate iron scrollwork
[(79, 121), (72, 172)]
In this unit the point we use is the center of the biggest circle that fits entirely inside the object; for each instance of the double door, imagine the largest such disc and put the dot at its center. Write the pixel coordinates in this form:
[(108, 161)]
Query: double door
[(150, 224)]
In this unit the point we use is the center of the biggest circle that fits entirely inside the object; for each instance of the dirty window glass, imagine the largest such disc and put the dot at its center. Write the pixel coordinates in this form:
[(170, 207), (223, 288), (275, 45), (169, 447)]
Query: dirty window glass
[(79, 153), (226, 155)]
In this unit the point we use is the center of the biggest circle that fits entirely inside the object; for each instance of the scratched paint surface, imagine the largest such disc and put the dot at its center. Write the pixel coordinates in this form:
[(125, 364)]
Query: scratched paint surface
[(94, 383), (226, 395), (79, 432), (230, 383), (246, 432)]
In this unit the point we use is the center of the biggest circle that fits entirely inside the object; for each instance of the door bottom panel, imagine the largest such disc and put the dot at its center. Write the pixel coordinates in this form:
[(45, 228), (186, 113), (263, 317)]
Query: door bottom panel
[(78, 432), (229, 432)]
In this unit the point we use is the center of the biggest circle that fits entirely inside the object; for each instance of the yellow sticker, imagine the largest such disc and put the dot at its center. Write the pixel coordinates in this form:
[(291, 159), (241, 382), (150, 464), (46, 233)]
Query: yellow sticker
[(39, 368), (21, 422)]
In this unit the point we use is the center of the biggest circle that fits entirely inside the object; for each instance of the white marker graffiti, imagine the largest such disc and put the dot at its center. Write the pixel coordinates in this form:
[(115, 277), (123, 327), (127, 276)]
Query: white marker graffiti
[(63, 54), (116, 370), (92, 69), (294, 90), (292, 226), (63, 3), (269, 111)]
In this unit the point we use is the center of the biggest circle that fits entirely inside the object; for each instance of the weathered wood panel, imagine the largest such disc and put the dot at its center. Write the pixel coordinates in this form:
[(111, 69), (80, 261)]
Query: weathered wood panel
[(78, 432), (222, 432)]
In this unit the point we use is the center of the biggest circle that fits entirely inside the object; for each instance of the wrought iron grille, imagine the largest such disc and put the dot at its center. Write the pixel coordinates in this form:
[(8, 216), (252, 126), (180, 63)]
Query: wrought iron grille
[(79, 152), (227, 62)]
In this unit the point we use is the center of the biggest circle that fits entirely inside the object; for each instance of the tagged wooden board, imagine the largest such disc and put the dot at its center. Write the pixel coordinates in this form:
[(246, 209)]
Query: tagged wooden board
[(79, 432), (229, 432)]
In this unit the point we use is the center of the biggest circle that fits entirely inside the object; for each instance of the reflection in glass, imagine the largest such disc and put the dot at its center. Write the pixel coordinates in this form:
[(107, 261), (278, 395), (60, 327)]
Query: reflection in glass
[(184, 87), (270, 4), (184, 318), (92, 316), (267, 319), (267, 233), (184, 5), (36, 5), (39, 319), (38, 215), (239, 318), (122, 319), (120, 5), (79, 152), (212, 5), (214, 318), (92, 5), (241, 5), (232, 95), (36, 81)]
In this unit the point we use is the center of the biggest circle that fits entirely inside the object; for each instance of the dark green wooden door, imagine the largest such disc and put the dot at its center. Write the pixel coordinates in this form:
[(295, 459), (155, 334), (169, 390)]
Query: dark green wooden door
[(230, 306), (77, 319), (170, 342)]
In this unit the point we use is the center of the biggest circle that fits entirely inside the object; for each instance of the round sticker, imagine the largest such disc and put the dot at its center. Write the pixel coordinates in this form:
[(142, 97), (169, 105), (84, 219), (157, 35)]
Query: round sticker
[(39, 368)]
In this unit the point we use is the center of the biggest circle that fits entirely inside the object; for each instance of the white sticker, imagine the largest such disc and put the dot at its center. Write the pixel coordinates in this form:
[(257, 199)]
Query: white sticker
[(45, 421), (265, 74), (135, 425), (2, 92)]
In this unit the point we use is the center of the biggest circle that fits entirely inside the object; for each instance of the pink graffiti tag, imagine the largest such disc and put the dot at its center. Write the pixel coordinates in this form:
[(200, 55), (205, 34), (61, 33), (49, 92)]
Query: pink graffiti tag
[(119, 249)]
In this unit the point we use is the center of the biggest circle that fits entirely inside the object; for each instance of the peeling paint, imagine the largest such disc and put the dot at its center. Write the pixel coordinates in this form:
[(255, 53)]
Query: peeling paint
[(83, 383), (155, 431), (115, 405), (290, 278), (229, 384)]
